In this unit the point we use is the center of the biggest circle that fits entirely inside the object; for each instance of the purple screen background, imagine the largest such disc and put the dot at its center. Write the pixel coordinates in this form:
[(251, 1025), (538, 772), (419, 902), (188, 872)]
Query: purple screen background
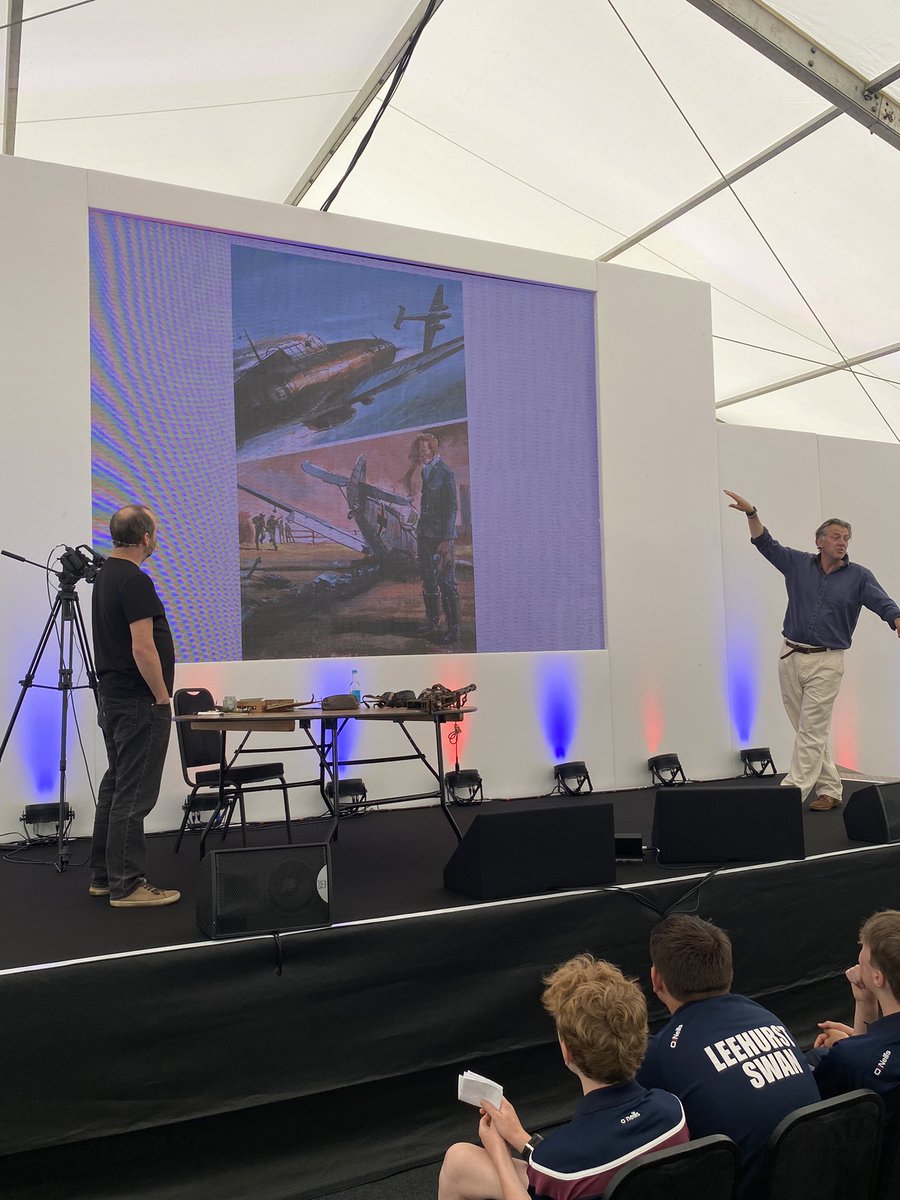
[(163, 434)]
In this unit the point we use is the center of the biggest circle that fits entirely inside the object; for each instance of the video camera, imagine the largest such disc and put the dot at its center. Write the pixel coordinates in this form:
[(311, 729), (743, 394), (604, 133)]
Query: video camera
[(79, 562)]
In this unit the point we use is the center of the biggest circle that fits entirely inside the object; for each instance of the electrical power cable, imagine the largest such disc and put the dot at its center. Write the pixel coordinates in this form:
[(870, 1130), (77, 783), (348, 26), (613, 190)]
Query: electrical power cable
[(399, 72)]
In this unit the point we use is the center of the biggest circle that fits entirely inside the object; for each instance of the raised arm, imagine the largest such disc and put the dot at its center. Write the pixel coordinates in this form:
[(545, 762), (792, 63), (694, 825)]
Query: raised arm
[(749, 510)]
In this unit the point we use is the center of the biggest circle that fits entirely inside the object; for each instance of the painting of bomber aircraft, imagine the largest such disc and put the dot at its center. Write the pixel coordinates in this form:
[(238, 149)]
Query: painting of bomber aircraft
[(313, 382)]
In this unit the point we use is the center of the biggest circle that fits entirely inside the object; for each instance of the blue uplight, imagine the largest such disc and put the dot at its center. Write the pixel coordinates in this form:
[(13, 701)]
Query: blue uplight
[(557, 688), (333, 679), (743, 698), (37, 734)]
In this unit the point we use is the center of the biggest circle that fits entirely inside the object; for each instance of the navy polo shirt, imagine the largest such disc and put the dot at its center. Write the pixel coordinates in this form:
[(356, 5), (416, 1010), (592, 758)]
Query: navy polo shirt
[(822, 610), (869, 1060), (610, 1126), (737, 1071)]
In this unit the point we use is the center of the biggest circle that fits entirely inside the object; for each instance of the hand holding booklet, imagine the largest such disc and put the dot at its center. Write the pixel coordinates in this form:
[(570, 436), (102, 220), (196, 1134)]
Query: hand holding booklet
[(474, 1089)]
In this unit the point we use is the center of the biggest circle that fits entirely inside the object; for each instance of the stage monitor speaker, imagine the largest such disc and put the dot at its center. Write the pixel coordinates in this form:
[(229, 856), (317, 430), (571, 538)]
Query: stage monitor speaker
[(265, 889), (873, 814), (517, 851), (733, 823)]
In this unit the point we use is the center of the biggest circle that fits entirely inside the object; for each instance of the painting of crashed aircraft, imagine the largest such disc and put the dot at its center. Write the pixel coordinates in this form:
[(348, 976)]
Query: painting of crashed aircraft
[(325, 350), (359, 549)]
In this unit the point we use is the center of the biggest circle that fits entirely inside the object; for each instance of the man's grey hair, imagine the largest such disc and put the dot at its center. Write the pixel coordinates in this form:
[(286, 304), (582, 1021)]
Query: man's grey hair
[(833, 521)]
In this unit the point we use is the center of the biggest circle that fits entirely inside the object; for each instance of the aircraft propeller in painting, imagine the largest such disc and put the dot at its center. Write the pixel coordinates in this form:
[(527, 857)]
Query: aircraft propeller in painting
[(389, 533)]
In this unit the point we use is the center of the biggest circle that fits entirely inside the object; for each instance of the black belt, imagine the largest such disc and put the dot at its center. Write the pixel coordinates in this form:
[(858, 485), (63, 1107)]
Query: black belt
[(795, 649)]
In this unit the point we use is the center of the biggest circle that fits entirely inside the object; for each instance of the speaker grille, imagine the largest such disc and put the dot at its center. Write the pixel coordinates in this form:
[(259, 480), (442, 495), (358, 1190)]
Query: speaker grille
[(264, 889)]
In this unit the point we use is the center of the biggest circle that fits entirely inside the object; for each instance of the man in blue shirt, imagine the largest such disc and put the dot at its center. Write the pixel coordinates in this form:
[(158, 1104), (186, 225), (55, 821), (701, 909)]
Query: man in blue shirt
[(436, 538), (825, 594), (868, 1054), (601, 1022), (735, 1067)]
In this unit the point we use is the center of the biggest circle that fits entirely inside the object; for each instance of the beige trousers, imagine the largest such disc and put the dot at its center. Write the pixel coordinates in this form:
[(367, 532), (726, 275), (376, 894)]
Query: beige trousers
[(809, 687)]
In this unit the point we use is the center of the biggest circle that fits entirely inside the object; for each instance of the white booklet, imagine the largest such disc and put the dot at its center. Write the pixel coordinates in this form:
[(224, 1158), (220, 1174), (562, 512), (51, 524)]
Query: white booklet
[(473, 1089)]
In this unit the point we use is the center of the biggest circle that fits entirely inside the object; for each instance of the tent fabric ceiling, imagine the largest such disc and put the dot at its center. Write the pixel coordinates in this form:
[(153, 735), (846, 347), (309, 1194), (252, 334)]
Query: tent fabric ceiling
[(534, 124)]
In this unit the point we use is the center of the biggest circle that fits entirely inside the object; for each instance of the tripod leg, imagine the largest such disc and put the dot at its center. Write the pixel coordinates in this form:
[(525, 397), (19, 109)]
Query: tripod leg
[(32, 668)]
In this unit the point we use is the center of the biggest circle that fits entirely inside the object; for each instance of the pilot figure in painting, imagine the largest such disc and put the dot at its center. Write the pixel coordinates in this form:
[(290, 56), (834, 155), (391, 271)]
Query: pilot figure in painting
[(436, 535)]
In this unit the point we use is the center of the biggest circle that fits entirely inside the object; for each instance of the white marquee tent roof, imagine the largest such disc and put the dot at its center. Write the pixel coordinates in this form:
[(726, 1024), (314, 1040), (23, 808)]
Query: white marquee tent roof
[(595, 128)]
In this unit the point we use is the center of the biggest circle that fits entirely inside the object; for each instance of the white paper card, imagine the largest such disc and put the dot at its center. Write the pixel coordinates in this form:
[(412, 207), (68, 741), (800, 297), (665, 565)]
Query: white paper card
[(474, 1088)]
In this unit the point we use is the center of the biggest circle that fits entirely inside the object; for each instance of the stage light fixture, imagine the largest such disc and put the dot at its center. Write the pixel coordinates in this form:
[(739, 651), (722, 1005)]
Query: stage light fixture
[(46, 814), (352, 797), (666, 770), (464, 786), (572, 778), (757, 760)]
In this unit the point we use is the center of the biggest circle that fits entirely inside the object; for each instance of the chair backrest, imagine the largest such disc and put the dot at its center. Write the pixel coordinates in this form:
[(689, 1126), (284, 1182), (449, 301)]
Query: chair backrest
[(889, 1170), (197, 747), (827, 1150), (707, 1167)]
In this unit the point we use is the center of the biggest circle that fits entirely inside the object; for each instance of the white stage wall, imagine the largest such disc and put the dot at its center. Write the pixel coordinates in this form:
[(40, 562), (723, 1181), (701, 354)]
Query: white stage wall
[(689, 608)]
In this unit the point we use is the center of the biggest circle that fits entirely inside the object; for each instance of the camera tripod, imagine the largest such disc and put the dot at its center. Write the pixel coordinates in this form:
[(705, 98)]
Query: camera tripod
[(71, 633)]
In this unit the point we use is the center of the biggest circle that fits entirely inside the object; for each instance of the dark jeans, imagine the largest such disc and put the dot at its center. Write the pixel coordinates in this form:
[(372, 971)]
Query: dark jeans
[(438, 572), (136, 733)]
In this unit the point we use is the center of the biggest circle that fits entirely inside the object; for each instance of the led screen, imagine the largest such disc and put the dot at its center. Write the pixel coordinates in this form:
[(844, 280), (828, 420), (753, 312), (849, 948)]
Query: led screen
[(348, 456)]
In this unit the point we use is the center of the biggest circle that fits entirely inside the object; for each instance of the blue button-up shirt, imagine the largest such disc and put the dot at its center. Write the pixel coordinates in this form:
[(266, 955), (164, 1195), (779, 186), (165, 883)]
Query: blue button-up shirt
[(822, 609)]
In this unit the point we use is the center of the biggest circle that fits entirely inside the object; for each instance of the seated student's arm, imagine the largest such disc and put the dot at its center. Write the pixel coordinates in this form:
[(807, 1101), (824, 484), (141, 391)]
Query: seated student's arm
[(506, 1121), (866, 1005), (865, 1012), (511, 1175), (832, 1032)]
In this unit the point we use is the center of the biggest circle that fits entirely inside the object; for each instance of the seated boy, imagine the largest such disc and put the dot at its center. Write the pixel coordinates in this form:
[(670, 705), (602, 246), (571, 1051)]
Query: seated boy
[(601, 1022)]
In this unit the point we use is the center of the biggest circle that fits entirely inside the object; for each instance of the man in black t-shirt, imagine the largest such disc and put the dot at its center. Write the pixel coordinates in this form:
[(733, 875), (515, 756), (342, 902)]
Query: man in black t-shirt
[(135, 660)]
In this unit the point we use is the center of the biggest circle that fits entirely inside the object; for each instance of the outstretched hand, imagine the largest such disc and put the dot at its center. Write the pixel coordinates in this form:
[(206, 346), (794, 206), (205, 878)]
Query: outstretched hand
[(740, 503)]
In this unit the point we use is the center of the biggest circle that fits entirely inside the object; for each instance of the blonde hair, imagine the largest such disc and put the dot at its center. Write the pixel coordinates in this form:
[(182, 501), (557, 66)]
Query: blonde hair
[(600, 1015)]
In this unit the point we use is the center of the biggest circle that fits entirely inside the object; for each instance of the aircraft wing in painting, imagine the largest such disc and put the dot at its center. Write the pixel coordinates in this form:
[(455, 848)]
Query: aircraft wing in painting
[(406, 368), (357, 481), (432, 321), (343, 537)]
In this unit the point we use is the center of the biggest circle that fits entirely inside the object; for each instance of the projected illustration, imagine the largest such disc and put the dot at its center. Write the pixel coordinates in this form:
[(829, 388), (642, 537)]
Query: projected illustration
[(316, 343), (347, 455), (350, 551)]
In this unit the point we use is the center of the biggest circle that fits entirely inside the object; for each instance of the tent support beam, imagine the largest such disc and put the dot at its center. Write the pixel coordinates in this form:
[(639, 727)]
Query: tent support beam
[(11, 88), (795, 52), (830, 369), (758, 160), (357, 107)]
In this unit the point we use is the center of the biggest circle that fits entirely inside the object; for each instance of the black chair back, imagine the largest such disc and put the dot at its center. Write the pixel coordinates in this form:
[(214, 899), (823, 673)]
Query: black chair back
[(705, 1168), (889, 1170), (197, 747), (827, 1151)]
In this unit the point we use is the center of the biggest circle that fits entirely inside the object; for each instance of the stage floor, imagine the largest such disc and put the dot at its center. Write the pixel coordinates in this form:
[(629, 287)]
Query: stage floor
[(145, 1062), (385, 863)]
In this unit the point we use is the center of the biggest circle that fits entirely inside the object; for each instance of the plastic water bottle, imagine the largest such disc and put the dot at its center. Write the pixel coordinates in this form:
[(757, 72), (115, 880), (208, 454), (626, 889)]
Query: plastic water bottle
[(355, 689)]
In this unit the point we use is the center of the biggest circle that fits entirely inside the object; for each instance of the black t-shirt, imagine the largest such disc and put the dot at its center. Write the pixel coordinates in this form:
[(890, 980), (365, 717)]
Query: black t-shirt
[(124, 594)]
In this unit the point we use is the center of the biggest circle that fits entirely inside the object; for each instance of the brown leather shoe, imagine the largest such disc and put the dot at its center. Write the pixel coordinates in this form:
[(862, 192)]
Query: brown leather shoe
[(825, 803)]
